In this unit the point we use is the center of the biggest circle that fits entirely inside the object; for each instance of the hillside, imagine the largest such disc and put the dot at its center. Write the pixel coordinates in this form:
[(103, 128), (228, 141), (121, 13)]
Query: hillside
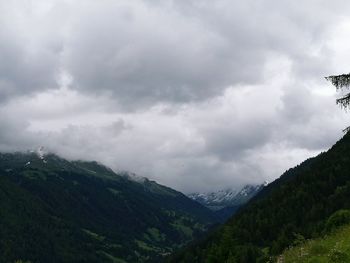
[(297, 204), (334, 247), (54, 210)]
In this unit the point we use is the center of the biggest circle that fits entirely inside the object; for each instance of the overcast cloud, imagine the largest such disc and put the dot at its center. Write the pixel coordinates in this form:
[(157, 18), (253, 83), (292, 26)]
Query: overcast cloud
[(198, 95)]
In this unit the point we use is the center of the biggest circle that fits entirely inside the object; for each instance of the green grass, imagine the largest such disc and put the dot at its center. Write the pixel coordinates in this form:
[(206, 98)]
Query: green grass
[(155, 234), (180, 226), (144, 245), (334, 248)]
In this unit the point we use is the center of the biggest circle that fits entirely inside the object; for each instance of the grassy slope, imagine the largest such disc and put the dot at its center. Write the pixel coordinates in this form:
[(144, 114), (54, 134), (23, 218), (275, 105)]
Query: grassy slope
[(331, 248)]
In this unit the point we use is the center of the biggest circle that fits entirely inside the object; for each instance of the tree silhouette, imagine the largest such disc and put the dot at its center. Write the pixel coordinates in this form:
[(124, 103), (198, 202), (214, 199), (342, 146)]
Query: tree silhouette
[(342, 82)]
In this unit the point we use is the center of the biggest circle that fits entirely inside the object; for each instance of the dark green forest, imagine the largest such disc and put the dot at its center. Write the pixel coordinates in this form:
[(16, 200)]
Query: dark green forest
[(295, 207), (54, 210)]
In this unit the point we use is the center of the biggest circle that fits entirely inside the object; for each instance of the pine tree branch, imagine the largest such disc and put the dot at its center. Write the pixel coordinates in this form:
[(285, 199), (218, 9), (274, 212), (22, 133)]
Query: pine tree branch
[(344, 101), (339, 81)]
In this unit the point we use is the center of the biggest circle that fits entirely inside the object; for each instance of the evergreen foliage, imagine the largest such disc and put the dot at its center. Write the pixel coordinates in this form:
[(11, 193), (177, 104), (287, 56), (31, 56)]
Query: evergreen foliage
[(339, 218), (341, 82)]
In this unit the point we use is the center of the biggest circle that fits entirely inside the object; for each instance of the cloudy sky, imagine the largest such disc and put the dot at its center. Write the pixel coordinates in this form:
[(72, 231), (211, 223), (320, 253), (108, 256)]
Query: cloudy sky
[(196, 94)]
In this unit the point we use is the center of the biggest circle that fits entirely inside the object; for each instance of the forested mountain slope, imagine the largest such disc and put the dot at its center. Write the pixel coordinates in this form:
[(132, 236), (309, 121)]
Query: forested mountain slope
[(54, 210), (297, 204)]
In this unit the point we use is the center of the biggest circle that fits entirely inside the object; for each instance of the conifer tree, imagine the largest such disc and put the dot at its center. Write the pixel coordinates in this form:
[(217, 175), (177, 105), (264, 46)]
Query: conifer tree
[(342, 82)]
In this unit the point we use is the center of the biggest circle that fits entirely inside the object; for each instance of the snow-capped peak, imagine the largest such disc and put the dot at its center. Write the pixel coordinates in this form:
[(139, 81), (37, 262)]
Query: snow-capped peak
[(228, 197)]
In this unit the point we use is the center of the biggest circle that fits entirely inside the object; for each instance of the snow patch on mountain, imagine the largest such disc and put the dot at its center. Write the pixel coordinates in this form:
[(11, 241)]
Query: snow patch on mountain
[(40, 152), (227, 197)]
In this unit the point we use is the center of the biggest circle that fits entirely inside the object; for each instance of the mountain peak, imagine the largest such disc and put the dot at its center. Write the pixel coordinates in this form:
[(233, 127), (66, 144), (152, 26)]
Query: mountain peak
[(227, 197)]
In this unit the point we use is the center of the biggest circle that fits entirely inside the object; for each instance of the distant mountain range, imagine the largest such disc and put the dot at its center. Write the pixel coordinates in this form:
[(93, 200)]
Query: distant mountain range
[(55, 210), (228, 197), (225, 203)]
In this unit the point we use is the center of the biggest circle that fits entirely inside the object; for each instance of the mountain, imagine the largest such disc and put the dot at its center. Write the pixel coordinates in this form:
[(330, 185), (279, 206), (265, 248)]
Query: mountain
[(55, 210), (298, 204), (226, 203), (227, 198)]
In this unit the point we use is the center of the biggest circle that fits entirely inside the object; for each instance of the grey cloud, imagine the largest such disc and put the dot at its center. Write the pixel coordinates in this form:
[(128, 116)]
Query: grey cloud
[(144, 53), (144, 60), (29, 53), (13, 135), (197, 95), (309, 120), (20, 72), (180, 52), (232, 140)]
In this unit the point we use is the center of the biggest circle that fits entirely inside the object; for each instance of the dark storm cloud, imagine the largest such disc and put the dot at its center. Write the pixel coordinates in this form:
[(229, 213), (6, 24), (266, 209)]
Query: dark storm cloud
[(145, 56), (29, 52), (143, 52), (188, 51)]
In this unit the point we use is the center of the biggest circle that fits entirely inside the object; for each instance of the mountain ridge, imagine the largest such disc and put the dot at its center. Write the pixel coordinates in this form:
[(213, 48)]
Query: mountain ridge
[(68, 208), (225, 203), (227, 197), (298, 203)]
